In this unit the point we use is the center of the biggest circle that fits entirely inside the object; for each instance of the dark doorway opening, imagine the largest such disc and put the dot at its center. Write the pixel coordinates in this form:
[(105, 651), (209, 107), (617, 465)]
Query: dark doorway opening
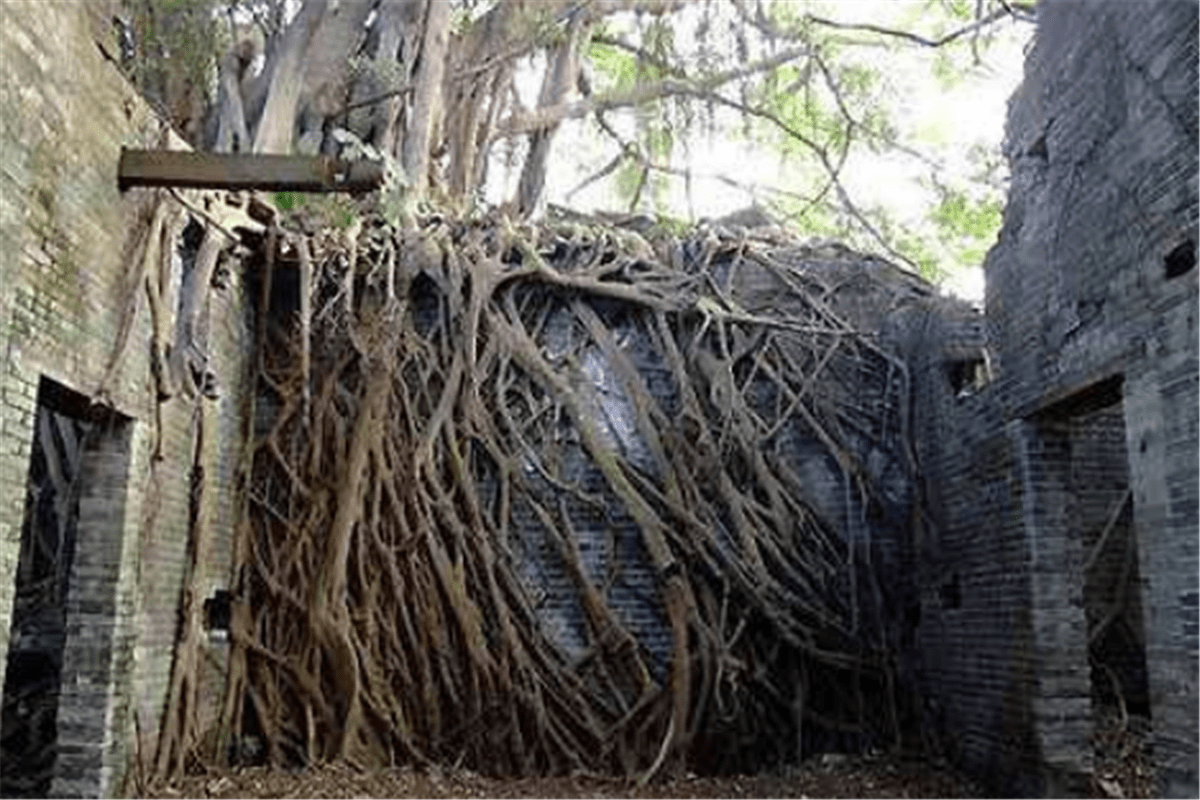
[(1101, 513), (68, 437)]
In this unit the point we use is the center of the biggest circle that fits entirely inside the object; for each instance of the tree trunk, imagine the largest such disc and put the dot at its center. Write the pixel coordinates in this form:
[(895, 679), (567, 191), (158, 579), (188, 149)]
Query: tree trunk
[(188, 356), (277, 122), (327, 60), (232, 133), (427, 103), (559, 79), (398, 33)]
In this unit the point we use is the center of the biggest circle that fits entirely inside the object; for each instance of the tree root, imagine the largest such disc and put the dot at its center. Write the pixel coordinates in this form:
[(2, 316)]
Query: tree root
[(544, 385)]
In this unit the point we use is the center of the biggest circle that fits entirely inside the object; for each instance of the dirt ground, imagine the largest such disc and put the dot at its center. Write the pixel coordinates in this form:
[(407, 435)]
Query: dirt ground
[(822, 776), (1123, 768)]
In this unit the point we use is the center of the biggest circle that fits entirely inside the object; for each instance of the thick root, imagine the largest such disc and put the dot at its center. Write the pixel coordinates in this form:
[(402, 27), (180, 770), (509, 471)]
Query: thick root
[(539, 421)]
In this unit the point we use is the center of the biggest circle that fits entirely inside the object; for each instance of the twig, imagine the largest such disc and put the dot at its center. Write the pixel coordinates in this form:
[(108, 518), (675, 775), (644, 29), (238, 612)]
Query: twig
[(1116, 685), (663, 749), (823, 156), (548, 116), (999, 13), (200, 212), (370, 101), (1118, 605), (640, 52)]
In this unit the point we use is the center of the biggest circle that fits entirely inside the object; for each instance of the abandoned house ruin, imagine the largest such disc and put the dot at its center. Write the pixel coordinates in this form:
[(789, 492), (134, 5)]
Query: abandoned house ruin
[(1003, 509)]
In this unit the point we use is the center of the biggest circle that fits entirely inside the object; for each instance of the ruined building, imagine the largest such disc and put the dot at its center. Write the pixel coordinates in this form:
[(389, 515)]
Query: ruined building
[(1089, 423), (1036, 552)]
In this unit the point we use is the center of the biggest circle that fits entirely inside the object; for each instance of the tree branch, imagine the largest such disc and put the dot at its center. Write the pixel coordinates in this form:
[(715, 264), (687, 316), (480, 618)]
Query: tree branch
[(1020, 10), (370, 101), (823, 157), (909, 35), (833, 171), (645, 55), (630, 149), (541, 118), (835, 90)]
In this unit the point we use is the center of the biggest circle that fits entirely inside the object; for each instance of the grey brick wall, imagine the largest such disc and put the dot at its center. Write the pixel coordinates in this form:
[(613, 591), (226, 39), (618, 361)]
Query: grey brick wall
[(1088, 293), (972, 658), (862, 291), (66, 241)]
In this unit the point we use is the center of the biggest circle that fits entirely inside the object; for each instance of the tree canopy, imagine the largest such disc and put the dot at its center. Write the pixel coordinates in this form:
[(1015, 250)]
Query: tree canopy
[(443, 90)]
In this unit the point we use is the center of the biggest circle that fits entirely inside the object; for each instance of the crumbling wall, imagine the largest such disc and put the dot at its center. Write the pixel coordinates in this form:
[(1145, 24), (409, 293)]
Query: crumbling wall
[(971, 656), (70, 293), (1091, 316)]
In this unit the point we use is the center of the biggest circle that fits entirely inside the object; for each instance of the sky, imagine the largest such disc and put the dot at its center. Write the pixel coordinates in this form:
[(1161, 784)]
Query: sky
[(941, 119)]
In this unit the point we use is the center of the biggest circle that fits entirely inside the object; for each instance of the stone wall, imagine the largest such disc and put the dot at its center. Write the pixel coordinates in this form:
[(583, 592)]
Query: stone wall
[(1091, 330), (71, 307)]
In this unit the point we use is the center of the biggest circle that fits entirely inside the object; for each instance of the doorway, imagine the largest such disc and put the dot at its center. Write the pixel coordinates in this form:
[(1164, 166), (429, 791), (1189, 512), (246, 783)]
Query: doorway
[(1100, 516), (78, 454), (1111, 579)]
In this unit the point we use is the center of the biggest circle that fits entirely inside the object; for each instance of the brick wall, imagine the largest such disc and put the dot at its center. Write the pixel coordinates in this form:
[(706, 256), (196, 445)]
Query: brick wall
[(1091, 327), (66, 245), (971, 660)]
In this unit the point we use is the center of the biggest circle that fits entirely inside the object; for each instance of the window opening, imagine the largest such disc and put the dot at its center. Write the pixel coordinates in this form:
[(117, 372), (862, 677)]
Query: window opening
[(1181, 260), (217, 612), (968, 376), (951, 593)]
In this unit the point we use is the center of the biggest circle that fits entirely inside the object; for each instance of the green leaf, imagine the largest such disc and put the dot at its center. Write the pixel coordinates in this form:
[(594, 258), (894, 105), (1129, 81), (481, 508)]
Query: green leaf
[(286, 201), (948, 74), (957, 215)]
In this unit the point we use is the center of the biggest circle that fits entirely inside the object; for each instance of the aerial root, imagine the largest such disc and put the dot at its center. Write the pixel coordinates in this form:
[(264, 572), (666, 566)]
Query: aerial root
[(420, 436)]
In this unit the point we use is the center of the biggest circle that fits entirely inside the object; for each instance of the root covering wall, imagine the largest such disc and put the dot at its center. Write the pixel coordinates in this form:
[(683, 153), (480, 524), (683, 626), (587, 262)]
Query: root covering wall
[(1091, 332), (583, 505), (73, 318)]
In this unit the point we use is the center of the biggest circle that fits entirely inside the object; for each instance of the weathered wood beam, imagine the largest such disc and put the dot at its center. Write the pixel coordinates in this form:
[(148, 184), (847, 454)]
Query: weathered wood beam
[(245, 171)]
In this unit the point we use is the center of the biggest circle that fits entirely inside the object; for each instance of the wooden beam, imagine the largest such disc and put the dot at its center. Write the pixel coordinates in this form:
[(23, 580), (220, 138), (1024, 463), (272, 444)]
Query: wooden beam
[(246, 171)]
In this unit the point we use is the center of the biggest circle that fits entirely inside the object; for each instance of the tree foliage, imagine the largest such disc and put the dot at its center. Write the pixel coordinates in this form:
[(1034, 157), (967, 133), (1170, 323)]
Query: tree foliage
[(442, 88)]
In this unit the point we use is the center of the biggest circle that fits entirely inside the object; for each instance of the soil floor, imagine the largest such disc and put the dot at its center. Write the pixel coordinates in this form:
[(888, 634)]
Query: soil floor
[(1123, 768), (821, 776)]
